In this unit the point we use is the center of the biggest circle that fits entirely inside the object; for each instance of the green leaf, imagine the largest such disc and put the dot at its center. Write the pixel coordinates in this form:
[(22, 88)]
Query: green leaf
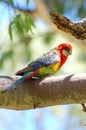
[(28, 23), (22, 24), (19, 24), (11, 2), (10, 29), (27, 1)]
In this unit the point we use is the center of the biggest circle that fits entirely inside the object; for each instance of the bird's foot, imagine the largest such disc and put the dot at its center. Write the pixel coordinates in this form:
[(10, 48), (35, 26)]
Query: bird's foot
[(84, 107), (36, 105)]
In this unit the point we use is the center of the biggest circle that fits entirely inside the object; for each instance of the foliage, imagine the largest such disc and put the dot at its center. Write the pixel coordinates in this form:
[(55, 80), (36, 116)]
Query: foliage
[(11, 2), (23, 24)]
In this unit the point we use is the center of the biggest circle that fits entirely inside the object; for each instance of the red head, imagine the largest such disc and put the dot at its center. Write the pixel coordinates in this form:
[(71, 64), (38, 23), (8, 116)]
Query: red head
[(64, 50)]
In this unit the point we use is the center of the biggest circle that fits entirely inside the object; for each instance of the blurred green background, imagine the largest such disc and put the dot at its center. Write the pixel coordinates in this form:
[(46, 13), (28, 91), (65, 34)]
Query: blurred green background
[(26, 32)]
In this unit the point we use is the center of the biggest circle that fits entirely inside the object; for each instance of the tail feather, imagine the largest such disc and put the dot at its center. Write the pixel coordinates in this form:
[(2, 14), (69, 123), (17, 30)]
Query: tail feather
[(17, 82), (27, 76), (22, 71)]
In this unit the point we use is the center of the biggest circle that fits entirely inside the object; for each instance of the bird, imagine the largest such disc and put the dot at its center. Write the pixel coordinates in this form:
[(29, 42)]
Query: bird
[(44, 66)]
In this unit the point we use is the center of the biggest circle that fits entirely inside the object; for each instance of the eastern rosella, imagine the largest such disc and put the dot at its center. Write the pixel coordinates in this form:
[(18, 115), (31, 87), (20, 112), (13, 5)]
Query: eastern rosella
[(48, 64)]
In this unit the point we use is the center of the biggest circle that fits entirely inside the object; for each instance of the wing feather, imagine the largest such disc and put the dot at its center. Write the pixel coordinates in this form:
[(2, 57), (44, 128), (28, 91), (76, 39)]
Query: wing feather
[(48, 58)]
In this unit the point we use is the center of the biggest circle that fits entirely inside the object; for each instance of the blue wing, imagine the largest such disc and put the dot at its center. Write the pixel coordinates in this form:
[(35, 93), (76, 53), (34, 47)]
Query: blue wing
[(48, 58)]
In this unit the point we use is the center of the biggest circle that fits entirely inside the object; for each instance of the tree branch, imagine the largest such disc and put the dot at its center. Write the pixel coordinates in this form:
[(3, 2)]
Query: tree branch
[(76, 29), (36, 93)]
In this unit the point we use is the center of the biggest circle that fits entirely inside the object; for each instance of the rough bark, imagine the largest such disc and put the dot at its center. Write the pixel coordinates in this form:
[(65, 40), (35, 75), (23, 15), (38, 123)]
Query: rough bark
[(36, 93), (76, 29)]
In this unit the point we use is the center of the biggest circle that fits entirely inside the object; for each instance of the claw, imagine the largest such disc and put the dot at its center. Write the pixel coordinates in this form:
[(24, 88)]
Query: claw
[(36, 105), (84, 107)]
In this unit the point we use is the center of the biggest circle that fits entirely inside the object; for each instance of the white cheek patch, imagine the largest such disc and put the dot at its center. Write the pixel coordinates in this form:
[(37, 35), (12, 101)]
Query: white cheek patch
[(65, 53)]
